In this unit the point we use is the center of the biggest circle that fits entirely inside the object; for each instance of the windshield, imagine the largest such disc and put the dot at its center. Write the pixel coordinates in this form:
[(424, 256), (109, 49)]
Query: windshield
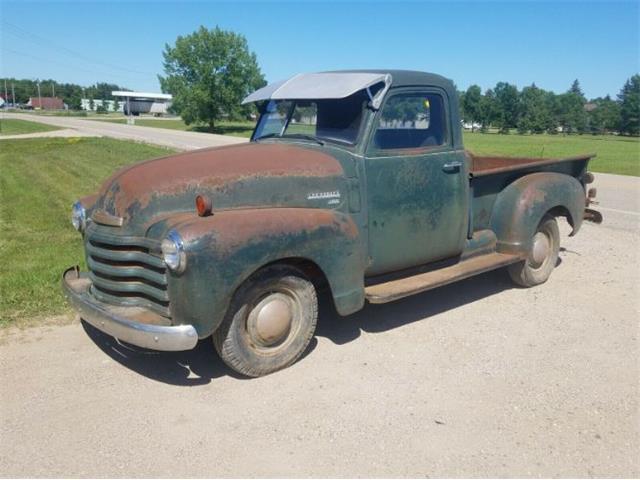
[(337, 120)]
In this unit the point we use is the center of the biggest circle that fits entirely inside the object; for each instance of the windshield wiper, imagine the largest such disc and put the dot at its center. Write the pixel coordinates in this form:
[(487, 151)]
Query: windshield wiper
[(305, 136), (268, 135)]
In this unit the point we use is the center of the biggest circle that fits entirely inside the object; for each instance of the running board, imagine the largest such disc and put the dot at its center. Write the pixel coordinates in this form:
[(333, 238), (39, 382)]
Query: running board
[(404, 287)]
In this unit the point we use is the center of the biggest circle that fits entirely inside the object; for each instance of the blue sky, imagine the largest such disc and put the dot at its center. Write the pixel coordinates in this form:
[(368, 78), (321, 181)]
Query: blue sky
[(549, 43)]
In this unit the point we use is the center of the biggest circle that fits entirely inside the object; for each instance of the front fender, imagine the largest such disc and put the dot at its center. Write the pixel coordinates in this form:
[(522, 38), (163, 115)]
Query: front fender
[(224, 249), (521, 205)]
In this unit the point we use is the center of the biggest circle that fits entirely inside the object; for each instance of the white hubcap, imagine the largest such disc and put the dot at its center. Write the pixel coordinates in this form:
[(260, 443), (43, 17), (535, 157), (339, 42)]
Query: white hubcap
[(540, 250), (270, 321)]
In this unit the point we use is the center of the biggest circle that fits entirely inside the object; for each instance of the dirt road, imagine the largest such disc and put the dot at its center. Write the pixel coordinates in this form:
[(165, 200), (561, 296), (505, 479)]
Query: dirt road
[(474, 379), (157, 136)]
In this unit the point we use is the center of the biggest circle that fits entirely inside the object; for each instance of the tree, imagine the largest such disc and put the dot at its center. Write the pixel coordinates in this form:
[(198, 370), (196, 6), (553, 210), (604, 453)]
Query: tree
[(488, 110), (472, 105), (575, 88), (629, 98), (209, 73), (91, 103), (535, 116), (460, 104), (603, 116), (116, 105), (102, 107), (570, 113), (69, 92), (507, 106), (75, 103)]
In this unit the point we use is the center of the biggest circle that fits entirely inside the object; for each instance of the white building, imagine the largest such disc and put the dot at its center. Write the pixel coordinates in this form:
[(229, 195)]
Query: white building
[(85, 104), (135, 103)]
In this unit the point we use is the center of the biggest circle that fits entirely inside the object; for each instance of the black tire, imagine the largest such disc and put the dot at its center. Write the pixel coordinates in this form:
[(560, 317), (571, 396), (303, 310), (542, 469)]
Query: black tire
[(255, 339), (538, 266)]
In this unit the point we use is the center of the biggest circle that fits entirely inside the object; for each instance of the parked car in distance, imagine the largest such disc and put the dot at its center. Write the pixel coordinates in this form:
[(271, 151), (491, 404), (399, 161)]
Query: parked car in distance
[(357, 181)]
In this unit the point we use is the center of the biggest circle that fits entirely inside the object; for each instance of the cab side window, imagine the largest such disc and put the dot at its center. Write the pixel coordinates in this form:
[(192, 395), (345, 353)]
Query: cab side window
[(411, 120)]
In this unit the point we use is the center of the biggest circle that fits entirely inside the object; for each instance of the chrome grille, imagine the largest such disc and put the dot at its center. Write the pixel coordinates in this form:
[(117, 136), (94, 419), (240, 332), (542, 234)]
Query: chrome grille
[(127, 271)]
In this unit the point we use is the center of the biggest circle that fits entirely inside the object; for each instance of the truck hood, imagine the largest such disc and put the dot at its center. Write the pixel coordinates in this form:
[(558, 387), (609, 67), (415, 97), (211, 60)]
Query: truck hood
[(251, 175)]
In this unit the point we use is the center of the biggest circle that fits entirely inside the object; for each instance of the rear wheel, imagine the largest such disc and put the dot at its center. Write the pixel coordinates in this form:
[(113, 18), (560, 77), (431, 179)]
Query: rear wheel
[(543, 255), (270, 322)]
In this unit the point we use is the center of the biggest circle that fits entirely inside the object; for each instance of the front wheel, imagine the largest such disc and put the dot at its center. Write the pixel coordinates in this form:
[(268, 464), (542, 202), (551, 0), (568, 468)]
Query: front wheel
[(543, 255), (270, 322)]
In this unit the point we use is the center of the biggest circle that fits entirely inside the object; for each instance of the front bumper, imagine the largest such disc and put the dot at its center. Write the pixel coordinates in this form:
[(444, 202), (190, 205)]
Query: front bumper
[(128, 324)]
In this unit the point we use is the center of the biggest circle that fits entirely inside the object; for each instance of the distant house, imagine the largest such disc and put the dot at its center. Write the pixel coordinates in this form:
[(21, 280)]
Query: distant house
[(46, 103)]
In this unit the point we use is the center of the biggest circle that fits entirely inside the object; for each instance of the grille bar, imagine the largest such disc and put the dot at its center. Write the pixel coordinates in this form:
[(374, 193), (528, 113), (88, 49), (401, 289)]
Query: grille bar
[(162, 309), (125, 255), (130, 285), (125, 272)]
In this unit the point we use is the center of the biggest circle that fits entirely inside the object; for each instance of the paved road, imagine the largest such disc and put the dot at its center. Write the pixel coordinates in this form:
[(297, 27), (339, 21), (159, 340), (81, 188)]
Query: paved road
[(157, 136), (63, 133), (473, 379)]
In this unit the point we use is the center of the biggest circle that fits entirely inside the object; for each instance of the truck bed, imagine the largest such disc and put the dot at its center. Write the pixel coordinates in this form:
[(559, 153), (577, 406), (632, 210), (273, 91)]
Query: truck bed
[(489, 165), (491, 174)]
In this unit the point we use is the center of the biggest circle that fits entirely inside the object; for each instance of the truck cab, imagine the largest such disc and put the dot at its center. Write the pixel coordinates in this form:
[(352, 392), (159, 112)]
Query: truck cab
[(356, 181)]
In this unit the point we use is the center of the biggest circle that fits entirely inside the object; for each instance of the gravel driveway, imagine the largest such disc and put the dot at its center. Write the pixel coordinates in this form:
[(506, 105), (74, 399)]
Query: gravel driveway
[(473, 379)]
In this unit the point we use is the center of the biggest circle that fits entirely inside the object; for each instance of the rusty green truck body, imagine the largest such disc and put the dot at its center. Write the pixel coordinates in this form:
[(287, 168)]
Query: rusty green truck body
[(397, 208)]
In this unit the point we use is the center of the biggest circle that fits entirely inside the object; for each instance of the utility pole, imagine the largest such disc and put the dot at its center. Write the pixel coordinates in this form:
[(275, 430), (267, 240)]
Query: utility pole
[(13, 94), (39, 96), (53, 89), (6, 96)]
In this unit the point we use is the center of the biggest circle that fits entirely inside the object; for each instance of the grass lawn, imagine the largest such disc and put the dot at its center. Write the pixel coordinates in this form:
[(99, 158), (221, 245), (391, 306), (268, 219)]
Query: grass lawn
[(619, 155), (10, 126), (235, 129), (52, 113), (40, 180)]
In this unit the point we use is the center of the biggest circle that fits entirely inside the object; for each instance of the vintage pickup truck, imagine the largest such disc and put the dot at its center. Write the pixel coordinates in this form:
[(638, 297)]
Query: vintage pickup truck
[(354, 181)]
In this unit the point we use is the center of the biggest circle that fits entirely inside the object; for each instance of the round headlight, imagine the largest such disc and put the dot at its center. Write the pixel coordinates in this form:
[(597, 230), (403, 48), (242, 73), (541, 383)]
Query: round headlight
[(173, 252), (78, 216)]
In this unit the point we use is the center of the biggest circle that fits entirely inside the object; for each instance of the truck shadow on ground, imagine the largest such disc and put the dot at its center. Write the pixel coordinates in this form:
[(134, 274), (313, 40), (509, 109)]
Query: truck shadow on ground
[(201, 365), (384, 317)]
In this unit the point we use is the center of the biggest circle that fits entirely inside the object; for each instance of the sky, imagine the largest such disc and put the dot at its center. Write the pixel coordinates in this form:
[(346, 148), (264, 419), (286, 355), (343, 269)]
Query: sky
[(550, 43)]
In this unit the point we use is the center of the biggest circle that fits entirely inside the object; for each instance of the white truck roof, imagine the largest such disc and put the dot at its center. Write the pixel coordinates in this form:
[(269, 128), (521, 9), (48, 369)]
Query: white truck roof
[(317, 86)]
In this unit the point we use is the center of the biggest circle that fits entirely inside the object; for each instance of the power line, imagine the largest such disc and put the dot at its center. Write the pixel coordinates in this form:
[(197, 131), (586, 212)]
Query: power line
[(38, 39), (40, 59)]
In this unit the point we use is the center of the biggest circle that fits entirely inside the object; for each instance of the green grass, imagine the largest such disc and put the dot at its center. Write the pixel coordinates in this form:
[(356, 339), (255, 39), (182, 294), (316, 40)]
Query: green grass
[(40, 180), (620, 155), (235, 129), (10, 126), (50, 113)]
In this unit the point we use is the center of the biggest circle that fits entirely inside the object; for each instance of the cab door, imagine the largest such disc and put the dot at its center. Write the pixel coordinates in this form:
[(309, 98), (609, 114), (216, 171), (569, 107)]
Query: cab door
[(416, 183)]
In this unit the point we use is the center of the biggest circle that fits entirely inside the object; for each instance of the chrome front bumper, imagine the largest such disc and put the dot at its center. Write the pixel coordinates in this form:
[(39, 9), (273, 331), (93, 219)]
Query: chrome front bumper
[(118, 322)]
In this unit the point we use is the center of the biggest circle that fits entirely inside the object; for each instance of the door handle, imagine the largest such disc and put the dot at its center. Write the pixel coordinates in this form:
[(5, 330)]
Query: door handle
[(451, 167)]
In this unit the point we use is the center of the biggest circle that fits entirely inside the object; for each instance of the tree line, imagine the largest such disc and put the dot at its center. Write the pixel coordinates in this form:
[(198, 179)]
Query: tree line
[(534, 110), (70, 93)]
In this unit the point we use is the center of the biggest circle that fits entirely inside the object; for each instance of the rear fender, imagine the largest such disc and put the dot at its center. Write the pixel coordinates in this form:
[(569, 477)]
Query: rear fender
[(224, 249), (521, 205)]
